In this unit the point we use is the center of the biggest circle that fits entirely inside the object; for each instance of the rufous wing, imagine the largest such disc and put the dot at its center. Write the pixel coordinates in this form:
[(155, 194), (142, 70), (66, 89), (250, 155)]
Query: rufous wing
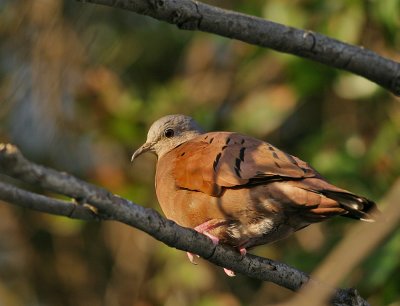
[(212, 161)]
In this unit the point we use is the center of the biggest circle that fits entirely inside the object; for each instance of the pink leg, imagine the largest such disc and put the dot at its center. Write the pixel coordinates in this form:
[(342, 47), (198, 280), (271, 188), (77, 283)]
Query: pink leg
[(204, 228), (214, 239)]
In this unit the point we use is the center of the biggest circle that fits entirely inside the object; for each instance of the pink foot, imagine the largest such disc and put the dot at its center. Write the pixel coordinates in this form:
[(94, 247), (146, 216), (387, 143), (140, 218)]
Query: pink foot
[(203, 229), (230, 273), (243, 251), (191, 257)]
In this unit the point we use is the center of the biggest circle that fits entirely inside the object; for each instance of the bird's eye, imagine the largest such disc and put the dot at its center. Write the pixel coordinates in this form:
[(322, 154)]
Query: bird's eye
[(169, 133)]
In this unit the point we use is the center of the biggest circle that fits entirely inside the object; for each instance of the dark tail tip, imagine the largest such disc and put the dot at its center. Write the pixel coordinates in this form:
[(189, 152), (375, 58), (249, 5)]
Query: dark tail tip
[(357, 207)]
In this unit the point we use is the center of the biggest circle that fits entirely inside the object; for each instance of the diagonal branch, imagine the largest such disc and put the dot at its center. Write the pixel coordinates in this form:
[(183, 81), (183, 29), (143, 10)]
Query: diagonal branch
[(194, 15), (112, 207)]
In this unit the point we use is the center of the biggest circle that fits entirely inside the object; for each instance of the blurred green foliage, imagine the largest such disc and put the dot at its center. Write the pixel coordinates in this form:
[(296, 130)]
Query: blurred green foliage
[(81, 83)]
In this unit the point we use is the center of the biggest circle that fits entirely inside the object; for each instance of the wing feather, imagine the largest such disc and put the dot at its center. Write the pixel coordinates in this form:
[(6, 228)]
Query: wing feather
[(217, 160)]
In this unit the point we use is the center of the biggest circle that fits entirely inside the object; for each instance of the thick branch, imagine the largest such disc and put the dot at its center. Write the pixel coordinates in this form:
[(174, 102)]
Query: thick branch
[(112, 207), (194, 15)]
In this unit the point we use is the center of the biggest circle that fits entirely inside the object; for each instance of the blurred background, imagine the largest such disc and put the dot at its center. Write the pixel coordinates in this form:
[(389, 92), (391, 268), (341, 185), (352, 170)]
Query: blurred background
[(79, 86)]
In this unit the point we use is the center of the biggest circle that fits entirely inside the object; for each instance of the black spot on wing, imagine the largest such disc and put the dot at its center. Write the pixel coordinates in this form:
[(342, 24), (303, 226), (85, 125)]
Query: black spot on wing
[(305, 170), (237, 167), (242, 142), (228, 140), (291, 159), (216, 161), (212, 139), (237, 171), (276, 164), (272, 149), (205, 137), (224, 147), (183, 153), (294, 162), (241, 153), (237, 163)]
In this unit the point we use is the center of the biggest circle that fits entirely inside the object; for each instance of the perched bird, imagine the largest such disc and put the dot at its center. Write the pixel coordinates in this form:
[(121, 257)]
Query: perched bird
[(239, 190)]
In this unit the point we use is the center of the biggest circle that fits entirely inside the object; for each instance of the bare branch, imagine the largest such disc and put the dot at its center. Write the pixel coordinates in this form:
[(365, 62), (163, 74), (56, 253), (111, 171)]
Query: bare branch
[(194, 15), (45, 204)]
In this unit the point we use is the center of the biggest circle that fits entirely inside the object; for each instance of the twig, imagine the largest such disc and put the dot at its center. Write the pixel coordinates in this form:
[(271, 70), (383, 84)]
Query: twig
[(112, 207), (194, 15), (45, 204)]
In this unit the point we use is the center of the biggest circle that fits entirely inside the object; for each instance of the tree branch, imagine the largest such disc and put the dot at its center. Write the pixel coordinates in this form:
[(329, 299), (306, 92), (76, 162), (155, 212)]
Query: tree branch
[(45, 204), (194, 15), (112, 207)]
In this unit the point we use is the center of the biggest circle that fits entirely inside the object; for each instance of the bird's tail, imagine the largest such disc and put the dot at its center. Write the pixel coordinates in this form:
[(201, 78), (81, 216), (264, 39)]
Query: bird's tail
[(358, 207)]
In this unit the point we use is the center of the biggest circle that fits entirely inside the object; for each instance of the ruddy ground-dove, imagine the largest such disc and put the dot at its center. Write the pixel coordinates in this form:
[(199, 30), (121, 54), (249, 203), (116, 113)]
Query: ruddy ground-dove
[(239, 190)]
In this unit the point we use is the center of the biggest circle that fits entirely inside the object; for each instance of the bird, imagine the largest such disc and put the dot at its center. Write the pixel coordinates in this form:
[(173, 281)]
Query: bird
[(238, 190)]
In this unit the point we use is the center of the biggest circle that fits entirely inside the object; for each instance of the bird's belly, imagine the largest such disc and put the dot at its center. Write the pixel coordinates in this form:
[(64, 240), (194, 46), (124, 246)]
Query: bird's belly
[(252, 217)]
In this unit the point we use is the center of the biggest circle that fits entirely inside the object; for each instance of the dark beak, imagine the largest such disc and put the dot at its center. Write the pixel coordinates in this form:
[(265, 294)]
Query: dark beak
[(143, 149)]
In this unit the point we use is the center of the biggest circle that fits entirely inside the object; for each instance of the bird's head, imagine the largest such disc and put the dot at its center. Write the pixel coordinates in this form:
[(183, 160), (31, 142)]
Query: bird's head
[(167, 133)]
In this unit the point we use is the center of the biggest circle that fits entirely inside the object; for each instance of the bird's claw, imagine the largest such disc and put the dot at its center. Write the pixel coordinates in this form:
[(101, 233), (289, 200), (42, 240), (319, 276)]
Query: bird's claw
[(230, 273), (191, 257)]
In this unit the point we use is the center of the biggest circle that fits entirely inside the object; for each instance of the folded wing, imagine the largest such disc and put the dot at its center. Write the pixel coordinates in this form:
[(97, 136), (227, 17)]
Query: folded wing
[(215, 161)]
